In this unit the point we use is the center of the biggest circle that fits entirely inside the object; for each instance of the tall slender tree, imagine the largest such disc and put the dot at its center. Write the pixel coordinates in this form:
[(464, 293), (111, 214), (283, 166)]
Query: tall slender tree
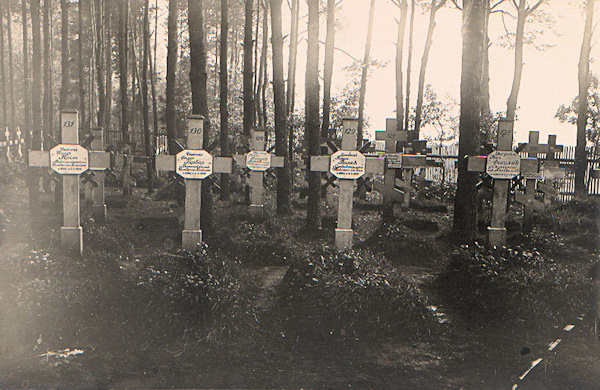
[(11, 68), (465, 201), (399, 65), (83, 45), (313, 215), (292, 57), (328, 70), (582, 104), (99, 52), (3, 78), (365, 71), (148, 145), (434, 8), (123, 72), (248, 88), (171, 71), (108, 62), (65, 55), (523, 12), (409, 57), (223, 96), (284, 184), (36, 91), (199, 85), (48, 98)]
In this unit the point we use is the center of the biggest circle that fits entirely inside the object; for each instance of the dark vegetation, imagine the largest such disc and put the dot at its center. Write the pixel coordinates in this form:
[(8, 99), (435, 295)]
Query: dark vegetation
[(264, 304)]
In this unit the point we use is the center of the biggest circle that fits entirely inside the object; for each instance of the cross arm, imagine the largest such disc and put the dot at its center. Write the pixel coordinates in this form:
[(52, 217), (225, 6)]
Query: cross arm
[(165, 162), (375, 165), (39, 158), (99, 161), (222, 165)]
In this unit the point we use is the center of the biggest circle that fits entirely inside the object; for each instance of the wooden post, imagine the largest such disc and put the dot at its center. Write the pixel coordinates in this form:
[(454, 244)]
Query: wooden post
[(257, 161), (98, 202), (193, 164), (391, 137), (348, 165)]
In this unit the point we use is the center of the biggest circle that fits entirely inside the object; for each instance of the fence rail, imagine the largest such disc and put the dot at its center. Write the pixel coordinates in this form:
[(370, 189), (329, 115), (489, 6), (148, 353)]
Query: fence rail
[(448, 155)]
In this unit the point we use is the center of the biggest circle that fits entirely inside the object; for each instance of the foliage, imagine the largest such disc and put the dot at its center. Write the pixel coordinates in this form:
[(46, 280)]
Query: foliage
[(539, 23), (208, 285), (353, 295), (568, 113), (503, 284), (442, 116)]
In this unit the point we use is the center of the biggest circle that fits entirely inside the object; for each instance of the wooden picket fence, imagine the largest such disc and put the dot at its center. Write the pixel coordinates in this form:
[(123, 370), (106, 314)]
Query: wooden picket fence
[(448, 155), (114, 138)]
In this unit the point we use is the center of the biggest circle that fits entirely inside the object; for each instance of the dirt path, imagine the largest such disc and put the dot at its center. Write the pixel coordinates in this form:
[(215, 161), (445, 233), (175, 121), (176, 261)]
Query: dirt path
[(269, 279)]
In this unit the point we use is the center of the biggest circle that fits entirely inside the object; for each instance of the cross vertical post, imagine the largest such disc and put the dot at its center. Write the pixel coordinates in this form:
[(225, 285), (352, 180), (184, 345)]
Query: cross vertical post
[(343, 231), (497, 230), (391, 138), (191, 236), (534, 138), (257, 143), (98, 201), (71, 232)]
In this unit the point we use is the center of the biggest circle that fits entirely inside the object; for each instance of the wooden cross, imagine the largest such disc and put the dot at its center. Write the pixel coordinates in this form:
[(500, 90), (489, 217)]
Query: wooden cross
[(257, 161), (194, 165), (391, 136), (502, 165), (98, 201), (348, 165), (70, 160), (8, 143)]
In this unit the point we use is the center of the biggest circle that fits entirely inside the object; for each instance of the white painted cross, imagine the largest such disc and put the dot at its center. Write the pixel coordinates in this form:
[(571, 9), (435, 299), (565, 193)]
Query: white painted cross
[(193, 164), (348, 165), (70, 160), (257, 161), (502, 165)]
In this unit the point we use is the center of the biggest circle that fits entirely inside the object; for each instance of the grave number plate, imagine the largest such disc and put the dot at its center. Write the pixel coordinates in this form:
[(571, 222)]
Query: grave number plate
[(394, 160), (348, 164), (503, 164), (258, 160), (194, 164), (69, 159)]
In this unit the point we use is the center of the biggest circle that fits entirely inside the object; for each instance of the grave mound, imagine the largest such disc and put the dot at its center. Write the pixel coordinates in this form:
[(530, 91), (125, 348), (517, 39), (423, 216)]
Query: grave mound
[(351, 296)]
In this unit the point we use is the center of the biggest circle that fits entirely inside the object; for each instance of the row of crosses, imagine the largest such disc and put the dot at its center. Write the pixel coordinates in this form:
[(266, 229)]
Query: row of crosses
[(10, 143)]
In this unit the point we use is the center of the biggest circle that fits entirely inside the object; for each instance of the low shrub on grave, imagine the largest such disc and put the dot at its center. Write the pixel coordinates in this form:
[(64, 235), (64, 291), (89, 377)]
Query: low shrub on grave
[(352, 295), (502, 284), (577, 216), (207, 286), (257, 243), (405, 241)]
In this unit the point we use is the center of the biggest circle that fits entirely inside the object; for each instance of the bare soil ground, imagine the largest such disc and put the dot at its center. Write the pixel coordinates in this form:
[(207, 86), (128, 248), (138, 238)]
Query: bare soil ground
[(113, 319)]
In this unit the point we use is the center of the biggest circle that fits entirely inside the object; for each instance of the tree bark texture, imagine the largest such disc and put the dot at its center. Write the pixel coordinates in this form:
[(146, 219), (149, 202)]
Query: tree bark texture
[(248, 87), (123, 50), (399, 67), (328, 70), (172, 43), (223, 97), (365, 72)]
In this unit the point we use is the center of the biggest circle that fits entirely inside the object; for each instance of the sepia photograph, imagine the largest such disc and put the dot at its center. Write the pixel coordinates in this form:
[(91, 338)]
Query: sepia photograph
[(299, 194)]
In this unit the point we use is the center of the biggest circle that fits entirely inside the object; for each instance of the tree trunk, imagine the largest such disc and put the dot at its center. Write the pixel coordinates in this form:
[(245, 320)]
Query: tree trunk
[(36, 91), (261, 109), (284, 184), (399, 75), (171, 70), (293, 58), (435, 6), (108, 63), (409, 67), (83, 43), (363, 79), (33, 143), (3, 78), (153, 77), (199, 81), (248, 92), (48, 103), (100, 65), (486, 110), (328, 71), (465, 200), (150, 167), (11, 70), (223, 98), (511, 105), (123, 49), (313, 215), (65, 56), (582, 106)]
